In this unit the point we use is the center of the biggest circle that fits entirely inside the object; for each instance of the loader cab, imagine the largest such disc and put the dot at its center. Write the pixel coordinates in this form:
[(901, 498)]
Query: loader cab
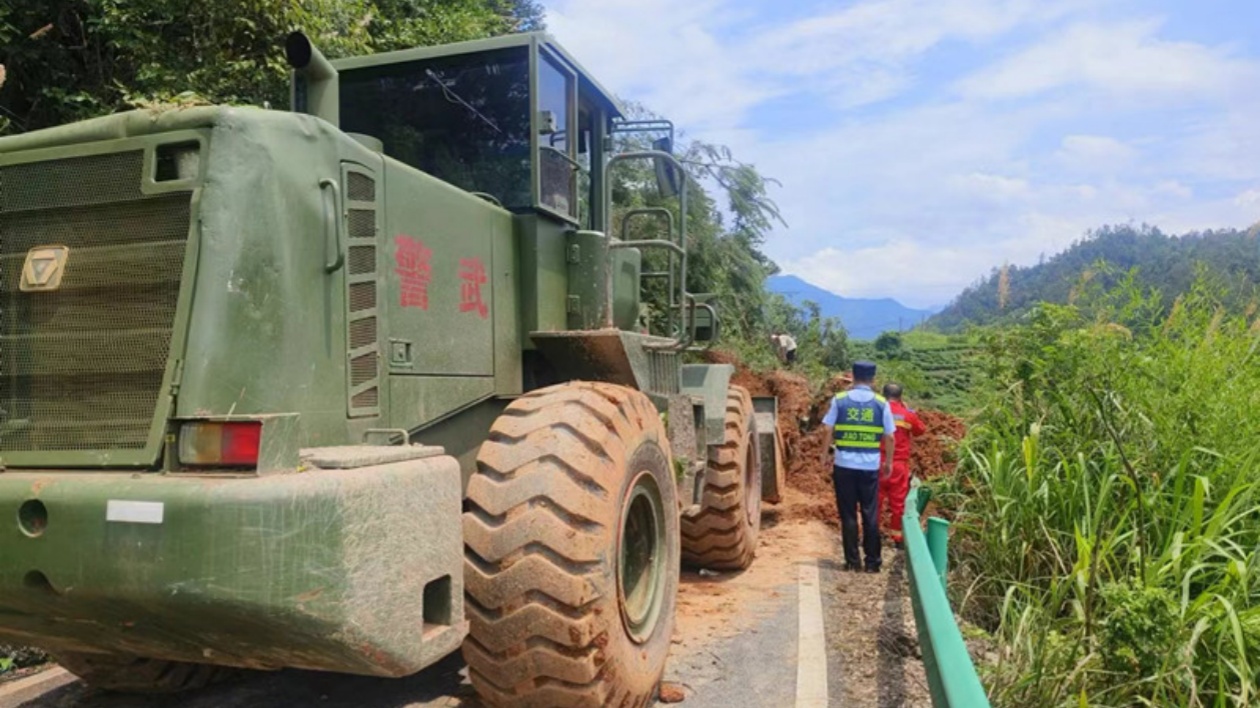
[(512, 119)]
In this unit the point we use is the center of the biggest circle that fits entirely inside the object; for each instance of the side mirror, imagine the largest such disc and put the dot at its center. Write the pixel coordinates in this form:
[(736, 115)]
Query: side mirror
[(705, 331), (704, 317), (547, 123), (667, 178)]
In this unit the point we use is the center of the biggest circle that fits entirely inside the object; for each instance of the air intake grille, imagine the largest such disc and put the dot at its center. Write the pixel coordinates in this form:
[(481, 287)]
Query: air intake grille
[(363, 379), (662, 372), (81, 367)]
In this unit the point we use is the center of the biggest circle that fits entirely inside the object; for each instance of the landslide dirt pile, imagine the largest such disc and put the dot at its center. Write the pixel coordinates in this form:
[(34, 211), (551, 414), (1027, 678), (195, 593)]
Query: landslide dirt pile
[(807, 444), (936, 452)]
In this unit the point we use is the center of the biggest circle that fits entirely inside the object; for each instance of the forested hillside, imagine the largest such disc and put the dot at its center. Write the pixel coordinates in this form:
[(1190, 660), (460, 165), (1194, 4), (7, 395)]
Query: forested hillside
[(1101, 260)]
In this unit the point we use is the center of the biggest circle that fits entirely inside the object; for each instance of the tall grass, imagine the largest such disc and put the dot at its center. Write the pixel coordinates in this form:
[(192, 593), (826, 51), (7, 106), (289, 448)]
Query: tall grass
[(1107, 512)]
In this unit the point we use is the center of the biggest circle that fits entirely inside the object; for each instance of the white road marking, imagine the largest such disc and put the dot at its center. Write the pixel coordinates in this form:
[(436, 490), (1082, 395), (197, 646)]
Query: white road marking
[(811, 648), (13, 689)]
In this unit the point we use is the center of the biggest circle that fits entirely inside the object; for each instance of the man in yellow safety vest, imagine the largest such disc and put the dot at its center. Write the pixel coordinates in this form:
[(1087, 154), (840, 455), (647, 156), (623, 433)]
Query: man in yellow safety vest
[(862, 425)]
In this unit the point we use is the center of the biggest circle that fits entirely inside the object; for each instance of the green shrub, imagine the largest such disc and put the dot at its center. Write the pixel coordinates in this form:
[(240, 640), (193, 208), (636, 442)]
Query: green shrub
[(1140, 629)]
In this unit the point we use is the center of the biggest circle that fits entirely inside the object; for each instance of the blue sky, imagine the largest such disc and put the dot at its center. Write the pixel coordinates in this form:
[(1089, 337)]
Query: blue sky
[(920, 143)]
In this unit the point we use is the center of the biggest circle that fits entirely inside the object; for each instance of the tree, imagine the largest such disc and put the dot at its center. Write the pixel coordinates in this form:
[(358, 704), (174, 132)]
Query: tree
[(723, 259), (68, 60), (889, 344), (529, 15)]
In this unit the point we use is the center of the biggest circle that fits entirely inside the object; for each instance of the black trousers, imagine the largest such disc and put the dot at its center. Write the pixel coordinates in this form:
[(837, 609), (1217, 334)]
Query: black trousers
[(854, 489)]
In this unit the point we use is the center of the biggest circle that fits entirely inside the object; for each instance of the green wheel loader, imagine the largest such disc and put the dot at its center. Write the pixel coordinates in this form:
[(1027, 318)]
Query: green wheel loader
[(352, 386)]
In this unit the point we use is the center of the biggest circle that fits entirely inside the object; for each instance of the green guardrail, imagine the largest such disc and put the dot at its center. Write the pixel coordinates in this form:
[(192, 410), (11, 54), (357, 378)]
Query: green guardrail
[(951, 676)]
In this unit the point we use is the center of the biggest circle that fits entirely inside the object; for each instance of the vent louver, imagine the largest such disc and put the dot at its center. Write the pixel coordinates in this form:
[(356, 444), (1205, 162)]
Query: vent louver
[(363, 356)]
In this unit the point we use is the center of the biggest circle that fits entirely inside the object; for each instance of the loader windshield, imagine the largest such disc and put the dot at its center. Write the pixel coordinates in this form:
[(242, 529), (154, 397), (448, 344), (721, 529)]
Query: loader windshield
[(462, 118)]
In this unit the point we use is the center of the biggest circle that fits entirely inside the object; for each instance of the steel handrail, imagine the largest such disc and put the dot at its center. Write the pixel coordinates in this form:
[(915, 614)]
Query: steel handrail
[(678, 294), (951, 676), (647, 211)]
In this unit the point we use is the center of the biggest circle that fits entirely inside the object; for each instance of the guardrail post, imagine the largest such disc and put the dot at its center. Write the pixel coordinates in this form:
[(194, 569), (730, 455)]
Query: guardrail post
[(921, 500), (938, 546)]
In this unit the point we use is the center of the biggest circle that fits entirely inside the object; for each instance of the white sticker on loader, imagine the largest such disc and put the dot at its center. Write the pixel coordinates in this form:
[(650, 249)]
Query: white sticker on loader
[(135, 512)]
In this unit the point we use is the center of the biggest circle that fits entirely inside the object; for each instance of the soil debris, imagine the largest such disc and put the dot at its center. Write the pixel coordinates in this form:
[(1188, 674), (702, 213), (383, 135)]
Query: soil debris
[(936, 452), (672, 693), (807, 444), (717, 607)]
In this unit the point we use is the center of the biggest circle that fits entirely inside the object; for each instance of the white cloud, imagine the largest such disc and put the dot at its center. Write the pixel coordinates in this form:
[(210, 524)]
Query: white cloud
[(1085, 117), (1173, 189), (991, 187), (892, 31), (1095, 152), (1125, 60), (670, 56), (914, 274), (1249, 199)]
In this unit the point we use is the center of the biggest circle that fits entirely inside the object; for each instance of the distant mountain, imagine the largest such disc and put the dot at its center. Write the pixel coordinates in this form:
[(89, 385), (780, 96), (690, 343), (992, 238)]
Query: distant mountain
[(862, 318), (1168, 263)]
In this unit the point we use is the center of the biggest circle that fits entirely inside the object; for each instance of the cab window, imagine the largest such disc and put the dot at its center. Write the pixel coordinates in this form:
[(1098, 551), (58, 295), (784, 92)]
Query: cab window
[(464, 119), (556, 167)]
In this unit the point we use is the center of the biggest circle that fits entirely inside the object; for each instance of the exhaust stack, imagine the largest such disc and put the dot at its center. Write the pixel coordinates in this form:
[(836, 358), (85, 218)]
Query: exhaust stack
[(314, 82)]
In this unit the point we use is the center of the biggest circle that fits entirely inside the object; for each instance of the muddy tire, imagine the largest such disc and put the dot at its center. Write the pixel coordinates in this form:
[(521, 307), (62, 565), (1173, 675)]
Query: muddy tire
[(571, 551), (723, 534), (136, 675)]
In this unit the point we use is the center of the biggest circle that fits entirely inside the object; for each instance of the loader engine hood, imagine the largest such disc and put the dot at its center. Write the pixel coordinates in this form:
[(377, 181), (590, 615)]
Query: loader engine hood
[(149, 252)]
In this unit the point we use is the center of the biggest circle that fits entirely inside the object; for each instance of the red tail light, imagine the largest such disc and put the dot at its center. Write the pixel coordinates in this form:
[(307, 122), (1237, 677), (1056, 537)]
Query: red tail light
[(214, 444)]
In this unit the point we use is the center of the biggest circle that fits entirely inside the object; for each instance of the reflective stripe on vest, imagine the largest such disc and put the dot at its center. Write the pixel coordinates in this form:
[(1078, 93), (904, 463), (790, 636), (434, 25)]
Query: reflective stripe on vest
[(859, 424)]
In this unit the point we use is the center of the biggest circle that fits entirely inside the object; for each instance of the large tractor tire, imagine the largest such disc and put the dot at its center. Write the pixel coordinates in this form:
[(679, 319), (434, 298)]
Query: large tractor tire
[(127, 674), (723, 534), (572, 552)]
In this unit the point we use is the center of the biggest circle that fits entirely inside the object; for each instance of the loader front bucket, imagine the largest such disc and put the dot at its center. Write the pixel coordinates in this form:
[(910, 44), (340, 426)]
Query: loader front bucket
[(770, 441)]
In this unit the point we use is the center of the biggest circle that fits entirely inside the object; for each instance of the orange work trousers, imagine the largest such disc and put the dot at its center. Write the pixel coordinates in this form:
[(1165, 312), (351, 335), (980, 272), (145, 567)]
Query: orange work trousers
[(892, 497)]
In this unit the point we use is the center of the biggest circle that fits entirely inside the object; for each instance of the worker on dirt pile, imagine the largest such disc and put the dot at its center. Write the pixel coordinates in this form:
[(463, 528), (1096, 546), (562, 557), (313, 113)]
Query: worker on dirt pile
[(862, 424), (784, 347), (894, 488), (789, 348)]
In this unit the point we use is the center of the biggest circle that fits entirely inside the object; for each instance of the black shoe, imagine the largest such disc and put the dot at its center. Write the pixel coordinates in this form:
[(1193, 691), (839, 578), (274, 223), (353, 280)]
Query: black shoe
[(852, 568), (872, 569)]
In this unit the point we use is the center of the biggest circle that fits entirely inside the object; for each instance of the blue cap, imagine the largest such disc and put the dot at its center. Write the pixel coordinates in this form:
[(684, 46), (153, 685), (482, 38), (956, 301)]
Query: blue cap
[(864, 370)]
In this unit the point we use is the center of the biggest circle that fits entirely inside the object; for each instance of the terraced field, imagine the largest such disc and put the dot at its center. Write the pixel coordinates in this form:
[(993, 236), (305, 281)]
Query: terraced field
[(938, 371)]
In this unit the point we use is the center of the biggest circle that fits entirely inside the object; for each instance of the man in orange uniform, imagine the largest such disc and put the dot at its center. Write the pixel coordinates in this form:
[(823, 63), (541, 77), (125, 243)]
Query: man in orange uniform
[(896, 486)]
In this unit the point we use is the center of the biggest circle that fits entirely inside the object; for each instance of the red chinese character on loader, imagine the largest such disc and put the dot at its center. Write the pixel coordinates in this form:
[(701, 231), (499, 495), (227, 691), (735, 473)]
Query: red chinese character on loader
[(412, 264), (473, 273)]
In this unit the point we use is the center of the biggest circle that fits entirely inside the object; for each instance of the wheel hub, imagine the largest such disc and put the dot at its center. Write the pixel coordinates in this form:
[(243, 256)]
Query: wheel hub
[(641, 544)]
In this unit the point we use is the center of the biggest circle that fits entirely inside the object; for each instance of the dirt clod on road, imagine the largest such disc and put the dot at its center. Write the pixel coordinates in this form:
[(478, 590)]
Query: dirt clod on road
[(672, 693)]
